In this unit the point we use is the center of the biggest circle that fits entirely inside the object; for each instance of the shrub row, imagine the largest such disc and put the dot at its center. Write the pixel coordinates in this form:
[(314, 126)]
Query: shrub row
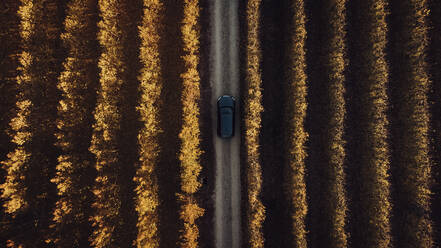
[(75, 170), (10, 40), (412, 164), (375, 205), (27, 192), (333, 59), (190, 151), (147, 200), (296, 112), (255, 211), (107, 219)]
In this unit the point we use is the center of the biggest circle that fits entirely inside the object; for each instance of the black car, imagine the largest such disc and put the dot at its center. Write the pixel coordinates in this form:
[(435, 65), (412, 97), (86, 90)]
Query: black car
[(225, 116)]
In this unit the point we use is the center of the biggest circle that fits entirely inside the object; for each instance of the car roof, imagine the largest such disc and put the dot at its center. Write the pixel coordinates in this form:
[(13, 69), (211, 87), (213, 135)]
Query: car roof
[(225, 101), (226, 125)]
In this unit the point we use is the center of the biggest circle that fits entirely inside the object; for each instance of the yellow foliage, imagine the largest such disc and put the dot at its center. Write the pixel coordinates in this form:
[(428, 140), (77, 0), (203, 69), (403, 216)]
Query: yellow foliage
[(74, 116), (12, 188), (10, 40), (147, 200), (253, 109), (334, 65), (190, 134), (11, 244), (17, 162), (190, 212), (413, 160), (33, 125), (112, 37), (375, 187), (296, 112), (20, 123), (27, 19)]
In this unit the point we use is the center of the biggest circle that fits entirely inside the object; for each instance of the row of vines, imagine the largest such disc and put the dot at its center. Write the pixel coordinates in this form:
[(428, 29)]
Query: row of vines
[(81, 162), (101, 134), (358, 84)]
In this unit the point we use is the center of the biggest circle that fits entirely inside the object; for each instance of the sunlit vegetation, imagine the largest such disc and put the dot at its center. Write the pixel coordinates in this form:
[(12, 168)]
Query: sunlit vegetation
[(255, 211), (296, 112), (190, 152), (150, 87), (27, 191), (93, 153), (333, 59), (372, 80), (9, 38), (412, 163), (75, 169), (112, 36)]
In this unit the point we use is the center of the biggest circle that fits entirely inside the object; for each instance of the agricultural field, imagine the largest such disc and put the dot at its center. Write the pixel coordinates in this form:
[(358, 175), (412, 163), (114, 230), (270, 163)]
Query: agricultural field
[(106, 130)]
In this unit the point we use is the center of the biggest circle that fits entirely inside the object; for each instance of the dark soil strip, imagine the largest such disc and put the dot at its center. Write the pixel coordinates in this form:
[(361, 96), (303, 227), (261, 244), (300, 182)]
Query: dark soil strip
[(274, 39), (353, 132), (170, 50), (435, 102), (205, 194), (313, 124), (130, 126)]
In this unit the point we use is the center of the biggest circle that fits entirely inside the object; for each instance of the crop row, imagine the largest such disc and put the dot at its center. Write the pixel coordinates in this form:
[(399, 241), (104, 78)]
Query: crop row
[(84, 167)]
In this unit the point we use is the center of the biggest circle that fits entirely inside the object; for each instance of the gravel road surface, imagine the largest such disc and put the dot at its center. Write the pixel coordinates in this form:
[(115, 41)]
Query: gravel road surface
[(224, 78)]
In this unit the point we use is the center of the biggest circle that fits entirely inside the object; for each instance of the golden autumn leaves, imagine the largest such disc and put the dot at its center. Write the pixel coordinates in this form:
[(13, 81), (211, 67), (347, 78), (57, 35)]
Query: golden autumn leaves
[(77, 190), (414, 163), (151, 83), (190, 134), (112, 35), (413, 145), (256, 211), (297, 135), (147, 201), (89, 143), (375, 159)]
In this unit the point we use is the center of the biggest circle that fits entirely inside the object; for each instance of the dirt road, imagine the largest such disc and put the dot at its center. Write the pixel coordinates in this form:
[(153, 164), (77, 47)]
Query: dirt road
[(224, 78)]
